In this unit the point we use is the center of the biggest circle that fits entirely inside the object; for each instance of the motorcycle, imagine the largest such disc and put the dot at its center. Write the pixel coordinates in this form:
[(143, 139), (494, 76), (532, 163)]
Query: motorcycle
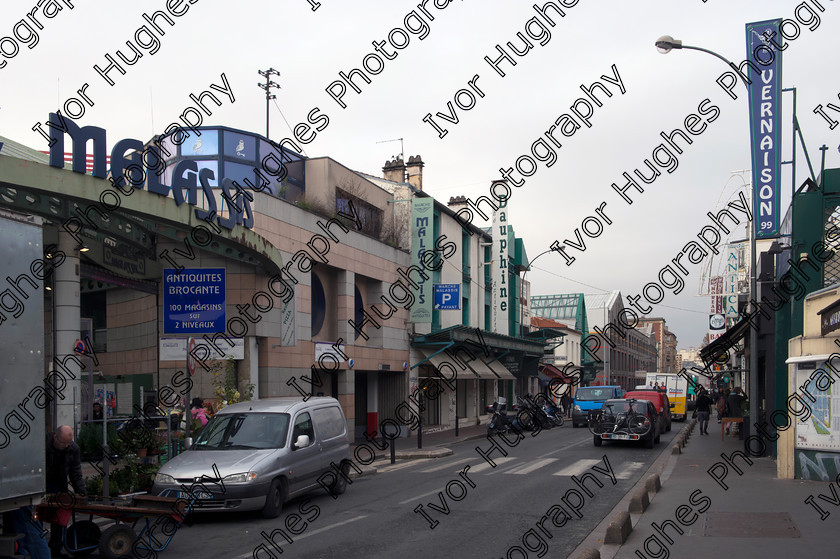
[(553, 413), (499, 423)]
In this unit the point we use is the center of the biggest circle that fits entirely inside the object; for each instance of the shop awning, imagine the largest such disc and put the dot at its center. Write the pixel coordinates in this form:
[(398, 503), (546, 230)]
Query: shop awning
[(553, 372), (446, 366), (727, 340), (501, 370), (481, 369), (808, 358)]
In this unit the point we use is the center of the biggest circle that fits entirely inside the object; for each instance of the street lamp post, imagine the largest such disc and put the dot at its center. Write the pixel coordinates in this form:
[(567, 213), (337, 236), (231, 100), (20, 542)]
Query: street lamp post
[(664, 45), (554, 248)]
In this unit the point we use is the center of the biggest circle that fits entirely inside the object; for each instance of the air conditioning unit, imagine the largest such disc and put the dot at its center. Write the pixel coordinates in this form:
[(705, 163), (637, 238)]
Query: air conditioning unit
[(384, 366)]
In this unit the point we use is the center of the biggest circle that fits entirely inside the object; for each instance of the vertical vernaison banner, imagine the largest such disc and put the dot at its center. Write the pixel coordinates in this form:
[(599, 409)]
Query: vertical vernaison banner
[(765, 103)]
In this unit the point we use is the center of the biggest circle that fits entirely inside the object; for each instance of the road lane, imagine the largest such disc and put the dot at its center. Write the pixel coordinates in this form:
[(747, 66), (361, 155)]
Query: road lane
[(480, 514)]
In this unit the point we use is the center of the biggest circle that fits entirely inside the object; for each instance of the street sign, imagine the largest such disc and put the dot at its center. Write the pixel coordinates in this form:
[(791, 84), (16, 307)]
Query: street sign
[(190, 358), (194, 301), (447, 296)]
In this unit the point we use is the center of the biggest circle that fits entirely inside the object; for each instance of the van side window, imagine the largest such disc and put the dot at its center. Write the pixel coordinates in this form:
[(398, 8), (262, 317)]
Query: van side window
[(330, 422), (303, 426)]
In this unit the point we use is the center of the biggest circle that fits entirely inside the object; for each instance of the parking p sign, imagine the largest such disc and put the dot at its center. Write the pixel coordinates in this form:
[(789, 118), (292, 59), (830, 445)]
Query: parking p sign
[(447, 296)]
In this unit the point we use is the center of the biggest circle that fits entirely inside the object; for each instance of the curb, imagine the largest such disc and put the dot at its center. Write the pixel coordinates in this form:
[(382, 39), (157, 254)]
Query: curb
[(618, 524)]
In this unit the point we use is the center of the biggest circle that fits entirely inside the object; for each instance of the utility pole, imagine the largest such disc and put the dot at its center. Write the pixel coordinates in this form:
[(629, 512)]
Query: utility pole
[(268, 86)]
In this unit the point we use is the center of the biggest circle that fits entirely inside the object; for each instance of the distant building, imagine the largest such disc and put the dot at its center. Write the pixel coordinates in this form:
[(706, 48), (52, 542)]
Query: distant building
[(666, 344)]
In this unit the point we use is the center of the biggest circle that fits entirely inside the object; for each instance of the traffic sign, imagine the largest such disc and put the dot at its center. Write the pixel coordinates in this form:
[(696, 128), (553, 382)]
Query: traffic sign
[(447, 296), (190, 358)]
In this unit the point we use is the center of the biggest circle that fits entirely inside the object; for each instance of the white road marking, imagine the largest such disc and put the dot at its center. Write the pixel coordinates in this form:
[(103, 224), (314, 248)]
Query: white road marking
[(281, 542), (407, 464), (630, 469), (578, 467), (447, 465), (562, 448), (485, 466), (419, 496), (528, 468)]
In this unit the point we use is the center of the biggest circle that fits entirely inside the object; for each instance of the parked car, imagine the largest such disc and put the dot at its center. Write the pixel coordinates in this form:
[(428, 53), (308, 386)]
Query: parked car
[(625, 420), (589, 399), (660, 401), (257, 455)]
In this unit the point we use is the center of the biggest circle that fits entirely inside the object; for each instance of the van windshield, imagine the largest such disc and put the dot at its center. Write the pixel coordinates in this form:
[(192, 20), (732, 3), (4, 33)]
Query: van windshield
[(591, 394), (243, 431)]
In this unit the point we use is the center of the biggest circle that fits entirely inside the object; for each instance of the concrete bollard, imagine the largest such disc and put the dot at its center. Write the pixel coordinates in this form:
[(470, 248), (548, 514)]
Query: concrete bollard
[(619, 529), (653, 485), (639, 501), (590, 554), (676, 449)]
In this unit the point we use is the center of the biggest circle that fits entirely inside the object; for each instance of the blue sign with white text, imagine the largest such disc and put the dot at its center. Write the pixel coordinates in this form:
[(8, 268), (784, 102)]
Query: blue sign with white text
[(765, 102), (194, 301), (447, 296)]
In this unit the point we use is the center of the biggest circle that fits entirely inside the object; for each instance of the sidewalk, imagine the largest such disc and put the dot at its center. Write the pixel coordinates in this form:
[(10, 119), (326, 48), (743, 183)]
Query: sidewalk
[(755, 515)]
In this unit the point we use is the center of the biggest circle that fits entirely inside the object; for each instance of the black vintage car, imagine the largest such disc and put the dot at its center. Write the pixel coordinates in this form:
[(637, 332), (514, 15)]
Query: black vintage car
[(625, 420)]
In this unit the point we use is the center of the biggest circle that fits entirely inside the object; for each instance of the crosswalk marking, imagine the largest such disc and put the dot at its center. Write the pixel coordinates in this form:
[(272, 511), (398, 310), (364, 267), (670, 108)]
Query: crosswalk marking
[(407, 464), (577, 468), (528, 468), (630, 469), (447, 465), (485, 466)]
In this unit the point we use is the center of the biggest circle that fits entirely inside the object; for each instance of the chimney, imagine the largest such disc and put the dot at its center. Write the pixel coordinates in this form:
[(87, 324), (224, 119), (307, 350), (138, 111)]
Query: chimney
[(415, 171), (457, 202), (394, 170)]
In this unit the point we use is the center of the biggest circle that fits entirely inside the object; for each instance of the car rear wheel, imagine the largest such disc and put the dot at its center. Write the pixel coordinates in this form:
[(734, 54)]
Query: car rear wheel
[(274, 500), (597, 440), (649, 442)]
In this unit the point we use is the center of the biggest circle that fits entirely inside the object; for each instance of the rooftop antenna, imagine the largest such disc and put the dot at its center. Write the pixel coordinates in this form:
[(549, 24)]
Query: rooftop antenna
[(402, 152), (268, 86)]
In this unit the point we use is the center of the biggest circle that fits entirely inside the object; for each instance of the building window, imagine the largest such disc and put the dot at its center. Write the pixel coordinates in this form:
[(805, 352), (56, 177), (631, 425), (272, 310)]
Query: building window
[(319, 305), (368, 215)]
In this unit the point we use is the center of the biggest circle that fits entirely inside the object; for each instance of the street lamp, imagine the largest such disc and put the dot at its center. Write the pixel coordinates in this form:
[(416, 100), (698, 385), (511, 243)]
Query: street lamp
[(664, 45), (554, 248)]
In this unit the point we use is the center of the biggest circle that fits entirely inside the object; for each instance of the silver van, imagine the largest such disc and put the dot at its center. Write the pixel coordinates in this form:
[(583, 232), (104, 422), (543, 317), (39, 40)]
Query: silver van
[(257, 455)]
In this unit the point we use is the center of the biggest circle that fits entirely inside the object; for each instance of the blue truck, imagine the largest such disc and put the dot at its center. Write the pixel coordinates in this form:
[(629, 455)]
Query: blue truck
[(588, 398)]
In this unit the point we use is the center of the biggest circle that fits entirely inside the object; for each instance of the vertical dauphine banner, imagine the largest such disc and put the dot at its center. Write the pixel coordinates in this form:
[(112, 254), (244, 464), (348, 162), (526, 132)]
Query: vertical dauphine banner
[(422, 233), (765, 103), (499, 319)]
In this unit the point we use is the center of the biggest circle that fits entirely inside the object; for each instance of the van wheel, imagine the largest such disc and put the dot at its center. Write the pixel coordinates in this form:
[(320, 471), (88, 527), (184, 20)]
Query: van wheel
[(340, 485), (274, 500)]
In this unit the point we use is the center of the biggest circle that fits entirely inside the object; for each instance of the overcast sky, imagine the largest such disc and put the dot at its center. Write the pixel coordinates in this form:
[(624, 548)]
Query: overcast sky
[(310, 48)]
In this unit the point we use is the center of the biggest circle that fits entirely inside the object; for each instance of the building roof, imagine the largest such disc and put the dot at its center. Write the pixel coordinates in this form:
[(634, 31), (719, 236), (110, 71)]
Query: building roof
[(20, 151), (541, 322), (596, 303)]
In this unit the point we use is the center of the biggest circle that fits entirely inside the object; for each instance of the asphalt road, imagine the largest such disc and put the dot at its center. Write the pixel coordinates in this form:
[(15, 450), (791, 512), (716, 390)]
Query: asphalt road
[(480, 514)]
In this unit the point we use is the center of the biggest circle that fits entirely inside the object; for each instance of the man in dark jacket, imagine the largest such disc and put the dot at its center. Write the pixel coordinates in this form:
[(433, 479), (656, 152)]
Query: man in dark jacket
[(704, 403), (64, 460)]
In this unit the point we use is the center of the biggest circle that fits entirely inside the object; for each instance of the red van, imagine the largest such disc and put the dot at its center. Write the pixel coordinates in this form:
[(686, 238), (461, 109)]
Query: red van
[(660, 401)]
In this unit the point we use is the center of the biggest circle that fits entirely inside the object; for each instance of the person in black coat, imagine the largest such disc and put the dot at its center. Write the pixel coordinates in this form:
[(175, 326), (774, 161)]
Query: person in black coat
[(64, 460), (704, 408)]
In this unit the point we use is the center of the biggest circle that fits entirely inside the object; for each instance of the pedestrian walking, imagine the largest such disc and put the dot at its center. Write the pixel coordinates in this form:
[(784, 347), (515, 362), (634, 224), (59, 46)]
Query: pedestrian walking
[(720, 404), (704, 404), (566, 402), (733, 405)]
